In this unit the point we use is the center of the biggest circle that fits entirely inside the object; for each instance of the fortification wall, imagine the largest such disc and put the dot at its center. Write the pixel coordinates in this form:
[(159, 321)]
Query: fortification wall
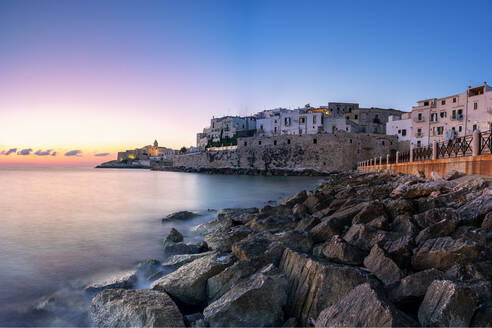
[(336, 151)]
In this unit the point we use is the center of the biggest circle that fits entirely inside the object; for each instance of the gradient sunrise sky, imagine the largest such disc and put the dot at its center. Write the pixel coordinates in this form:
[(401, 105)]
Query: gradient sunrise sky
[(87, 78)]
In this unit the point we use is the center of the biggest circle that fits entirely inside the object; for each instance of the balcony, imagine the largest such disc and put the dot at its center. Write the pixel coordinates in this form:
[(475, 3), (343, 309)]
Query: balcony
[(417, 120)]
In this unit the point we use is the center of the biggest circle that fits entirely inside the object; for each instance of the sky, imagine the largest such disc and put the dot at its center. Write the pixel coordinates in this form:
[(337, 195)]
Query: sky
[(87, 78)]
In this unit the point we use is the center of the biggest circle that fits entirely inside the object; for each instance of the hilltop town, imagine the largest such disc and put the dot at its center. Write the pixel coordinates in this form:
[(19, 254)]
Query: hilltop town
[(309, 137)]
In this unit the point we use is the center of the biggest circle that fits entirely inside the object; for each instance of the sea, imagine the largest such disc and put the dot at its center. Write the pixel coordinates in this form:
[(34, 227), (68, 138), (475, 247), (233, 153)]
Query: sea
[(63, 228)]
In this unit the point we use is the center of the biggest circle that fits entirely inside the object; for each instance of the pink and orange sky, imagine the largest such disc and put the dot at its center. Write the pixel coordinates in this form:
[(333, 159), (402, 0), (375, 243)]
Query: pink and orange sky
[(102, 76)]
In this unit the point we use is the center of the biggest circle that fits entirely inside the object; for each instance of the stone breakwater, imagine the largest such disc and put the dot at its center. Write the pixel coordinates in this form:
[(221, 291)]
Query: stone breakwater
[(359, 250), (247, 171)]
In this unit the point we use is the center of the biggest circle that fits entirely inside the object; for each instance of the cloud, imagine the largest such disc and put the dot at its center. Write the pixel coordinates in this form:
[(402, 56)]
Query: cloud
[(24, 152), (101, 154), (43, 153), (53, 153), (77, 153), (8, 152)]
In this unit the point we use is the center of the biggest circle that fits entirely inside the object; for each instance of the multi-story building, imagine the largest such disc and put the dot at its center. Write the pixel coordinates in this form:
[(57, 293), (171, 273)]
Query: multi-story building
[(440, 119), (400, 126), (146, 152), (225, 129)]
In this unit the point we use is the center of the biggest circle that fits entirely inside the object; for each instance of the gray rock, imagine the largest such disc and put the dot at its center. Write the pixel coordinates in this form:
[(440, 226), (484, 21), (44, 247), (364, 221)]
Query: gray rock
[(442, 228), (300, 211), (181, 215), (365, 237), (474, 211), (134, 308), (174, 236), (370, 212), (254, 302), (442, 253), (173, 248), (219, 284), (364, 306), (222, 239), (273, 223), (487, 221), (296, 240), (410, 191), (404, 225), (298, 198), (382, 267), (307, 223), (125, 280), (338, 250), (452, 175), (414, 286), (188, 283), (447, 304), (435, 215), (176, 261)]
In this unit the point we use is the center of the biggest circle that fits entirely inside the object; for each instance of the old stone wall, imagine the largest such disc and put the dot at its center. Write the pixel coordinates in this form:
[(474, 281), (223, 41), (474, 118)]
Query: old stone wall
[(314, 151)]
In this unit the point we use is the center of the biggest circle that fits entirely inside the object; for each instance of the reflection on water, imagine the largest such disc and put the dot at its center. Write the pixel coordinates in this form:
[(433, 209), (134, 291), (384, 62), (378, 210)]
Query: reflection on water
[(61, 227)]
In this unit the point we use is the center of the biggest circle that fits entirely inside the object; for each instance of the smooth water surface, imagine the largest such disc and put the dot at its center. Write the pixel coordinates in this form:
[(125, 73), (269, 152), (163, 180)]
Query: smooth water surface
[(58, 226)]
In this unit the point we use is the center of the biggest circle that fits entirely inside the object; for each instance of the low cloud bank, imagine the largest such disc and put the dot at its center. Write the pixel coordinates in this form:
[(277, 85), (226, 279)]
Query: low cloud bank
[(101, 154), (76, 152), (43, 153), (25, 152), (8, 152)]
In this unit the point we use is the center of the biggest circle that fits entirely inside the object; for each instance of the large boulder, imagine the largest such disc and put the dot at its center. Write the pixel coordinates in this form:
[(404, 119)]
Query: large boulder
[(442, 228), (273, 223), (134, 308), (442, 253), (338, 250), (382, 267), (400, 250), (222, 239), (255, 302), (176, 261), (174, 236), (396, 207), (413, 287), (181, 215), (315, 285), (435, 215), (411, 190), (173, 248), (307, 223), (126, 280), (364, 306), (474, 211), (370, 212), (188, 283), (365, 237), (296, 240), (403, 224), (298, 198), (487, 221), (447, 304), (219, 284)]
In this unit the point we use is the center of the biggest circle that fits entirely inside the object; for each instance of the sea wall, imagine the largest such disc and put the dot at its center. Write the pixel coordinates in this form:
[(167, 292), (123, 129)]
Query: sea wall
[(323, 152)]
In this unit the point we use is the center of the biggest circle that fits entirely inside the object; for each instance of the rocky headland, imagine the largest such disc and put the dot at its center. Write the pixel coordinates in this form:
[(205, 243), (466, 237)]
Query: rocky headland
[(359, 250), (245, 170)]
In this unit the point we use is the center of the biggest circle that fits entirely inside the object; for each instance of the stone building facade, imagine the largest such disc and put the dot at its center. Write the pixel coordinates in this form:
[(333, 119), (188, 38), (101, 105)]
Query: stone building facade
[(336, 151)]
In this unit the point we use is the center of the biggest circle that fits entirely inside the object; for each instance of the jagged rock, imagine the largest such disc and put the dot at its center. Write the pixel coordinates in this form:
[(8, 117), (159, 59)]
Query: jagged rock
[(442, 228), (435, 176), (400, 250), (254, 302), (314, 203), (410, 191), (381, 222), (260, 249), (300, 211), (134, 308), (334, 224), (291, 323), (280, 210), (338, 250), (235, 213), (474, 211), (482, 237), (435, 215), (148, 270), (174, 236), (404, 225), (414, 286), (482, 317), (396, 207), (370, 212), (364, 237), (222, 239), (447, 304), (181, 215), (295, 240), (307, 223), (315, 285), (298, 198), (219, 284), (125, 280), (176, 261), (452, 175), (364, 306), (66, 300), (188, 283), (194, 320), (442, 253), (273, 223), (173, 248), (382, 266), (487, 221)]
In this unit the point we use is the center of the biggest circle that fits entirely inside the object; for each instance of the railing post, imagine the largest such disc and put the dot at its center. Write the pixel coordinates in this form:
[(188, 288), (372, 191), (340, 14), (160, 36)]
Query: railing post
[(387, 159), (411, 154), (477, 138), (434, 150), (397, 157), (380, 160)]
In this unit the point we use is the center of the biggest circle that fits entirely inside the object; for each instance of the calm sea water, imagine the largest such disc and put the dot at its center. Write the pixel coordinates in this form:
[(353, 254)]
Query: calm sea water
[(60, 226)]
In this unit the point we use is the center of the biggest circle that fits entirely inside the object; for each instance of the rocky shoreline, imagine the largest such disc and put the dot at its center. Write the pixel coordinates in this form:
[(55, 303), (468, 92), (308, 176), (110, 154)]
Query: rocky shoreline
[(246, 171), (359, 250)]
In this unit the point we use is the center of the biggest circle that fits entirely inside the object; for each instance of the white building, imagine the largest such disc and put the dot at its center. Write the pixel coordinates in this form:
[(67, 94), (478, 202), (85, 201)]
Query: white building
[(434, 119), (400, 126)]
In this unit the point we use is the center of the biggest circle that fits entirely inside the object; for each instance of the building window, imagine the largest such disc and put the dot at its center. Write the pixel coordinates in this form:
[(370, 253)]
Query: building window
[(433, 117), (419, 143), (382, 142), (350, 140), (454, 99), (288, 141), (419, 132), (274, 142), (420, 116), (302, 120), (399, 131), (275, 129), (474, 127), (404, 132), (314, 119), (475, 105), (443, 102), (460, 128), (350, 109), (443, 114), (245, 143), (453, 115), (347, 117), (440, 130), (460, 115), (356, 116), (426, 103), (315, 141), (259, 142)]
